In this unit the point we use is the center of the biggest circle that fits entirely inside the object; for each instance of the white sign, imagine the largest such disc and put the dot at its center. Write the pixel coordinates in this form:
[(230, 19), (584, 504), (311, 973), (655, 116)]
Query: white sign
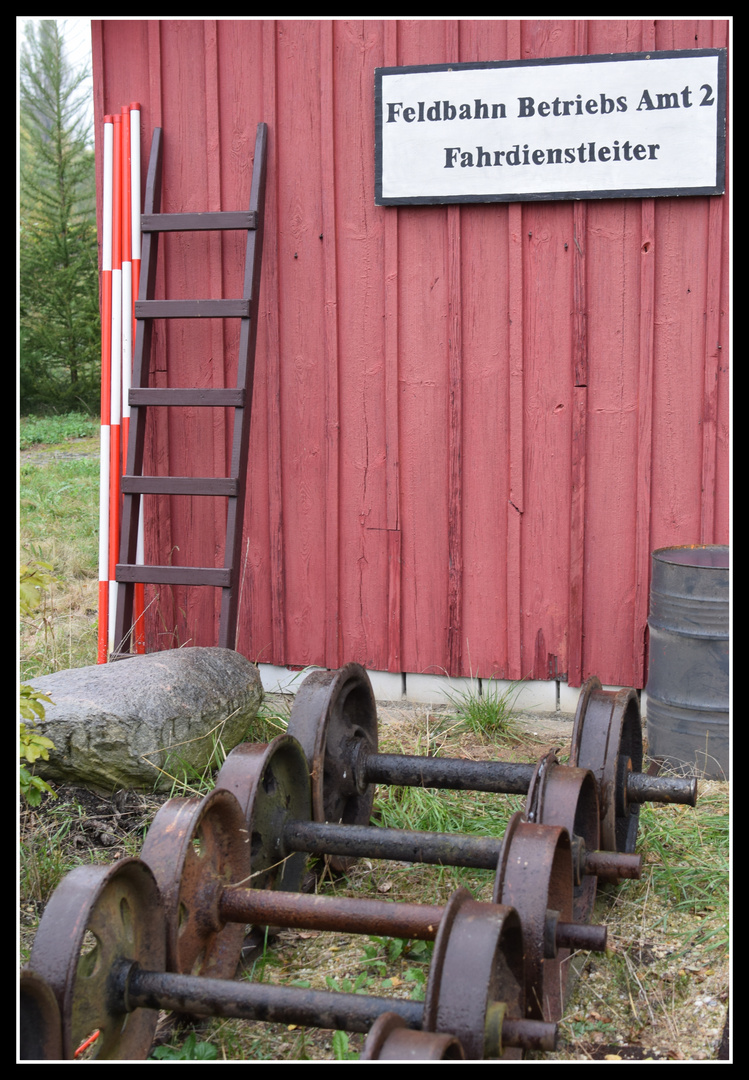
[(590, 127)]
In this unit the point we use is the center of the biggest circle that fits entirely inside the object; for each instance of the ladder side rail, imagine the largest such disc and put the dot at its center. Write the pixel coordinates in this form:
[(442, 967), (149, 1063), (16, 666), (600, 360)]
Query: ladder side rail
[(245, 378)]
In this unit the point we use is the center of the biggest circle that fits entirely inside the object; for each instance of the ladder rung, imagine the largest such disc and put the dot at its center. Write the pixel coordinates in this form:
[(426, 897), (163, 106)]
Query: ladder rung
[(174, 575), (194, 222), (201, 396), (179, 485), (192, 309)]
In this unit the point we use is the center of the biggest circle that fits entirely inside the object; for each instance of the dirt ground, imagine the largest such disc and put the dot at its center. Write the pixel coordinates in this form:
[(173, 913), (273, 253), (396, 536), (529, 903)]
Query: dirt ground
[(671, 1004)]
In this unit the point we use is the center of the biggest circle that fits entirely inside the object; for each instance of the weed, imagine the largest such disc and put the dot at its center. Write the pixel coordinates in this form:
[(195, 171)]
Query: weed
[(33, 745), (272, 718), (190, 1050), (341, 1049), (419, 977), (487, 710), (44, 860), (359, 985)]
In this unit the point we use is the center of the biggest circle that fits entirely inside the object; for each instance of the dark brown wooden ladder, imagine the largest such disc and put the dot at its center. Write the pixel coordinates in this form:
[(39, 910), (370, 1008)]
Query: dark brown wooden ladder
[(142, 397)]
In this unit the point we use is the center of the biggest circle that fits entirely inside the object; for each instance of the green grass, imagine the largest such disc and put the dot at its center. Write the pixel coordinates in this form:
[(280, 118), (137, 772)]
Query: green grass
[(59, 514), (689, 851), (53, 430), (59, 526)]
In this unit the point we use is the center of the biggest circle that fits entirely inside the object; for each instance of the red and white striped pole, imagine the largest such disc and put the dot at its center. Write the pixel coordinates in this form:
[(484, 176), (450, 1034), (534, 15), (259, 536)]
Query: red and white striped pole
[(106, 360), (116, 368), (138, 588), (135, 199)]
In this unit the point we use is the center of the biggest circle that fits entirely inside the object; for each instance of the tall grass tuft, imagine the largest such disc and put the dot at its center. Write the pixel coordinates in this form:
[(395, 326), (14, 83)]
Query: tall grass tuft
[(487, 711)]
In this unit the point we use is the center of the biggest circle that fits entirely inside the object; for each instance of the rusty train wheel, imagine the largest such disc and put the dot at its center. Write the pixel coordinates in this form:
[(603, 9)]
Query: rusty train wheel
[(196, 848), (534, 875), (477, 960), (390, 1039), (271, 784), (567, 796), (607, 739), (333, 716), (40, 1026), (97, 919)]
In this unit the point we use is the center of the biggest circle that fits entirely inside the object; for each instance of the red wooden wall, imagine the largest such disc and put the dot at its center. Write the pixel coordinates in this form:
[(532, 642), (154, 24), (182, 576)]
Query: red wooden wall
[(472, 423)]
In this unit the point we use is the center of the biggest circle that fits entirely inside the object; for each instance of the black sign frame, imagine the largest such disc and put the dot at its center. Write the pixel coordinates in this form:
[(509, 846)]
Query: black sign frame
[(716, 188)]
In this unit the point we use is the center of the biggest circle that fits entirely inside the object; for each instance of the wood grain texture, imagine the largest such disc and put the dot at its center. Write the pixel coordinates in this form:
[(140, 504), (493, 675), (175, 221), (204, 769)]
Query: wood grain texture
[(471, 425)]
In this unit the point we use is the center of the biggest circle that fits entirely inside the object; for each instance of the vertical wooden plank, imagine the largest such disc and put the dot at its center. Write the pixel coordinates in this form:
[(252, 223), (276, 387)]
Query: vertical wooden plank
[(579, 447), (547, 411), (302, 336), (483, 330), (579, 420), (455, 446), (239, 90), (515, 277), (681, 289), (217, 375), (157, 510), (191, 272), (455, 415), (330, 358), (718, 336), (392, 403), (575, 675), (424, 416), (712, 350), (273, 354), (614, 301), (366, 461), (644, 461), (644, 464)]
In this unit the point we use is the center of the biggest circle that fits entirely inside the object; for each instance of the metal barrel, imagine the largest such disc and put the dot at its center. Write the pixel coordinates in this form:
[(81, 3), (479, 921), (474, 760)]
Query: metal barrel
[(687, 688)]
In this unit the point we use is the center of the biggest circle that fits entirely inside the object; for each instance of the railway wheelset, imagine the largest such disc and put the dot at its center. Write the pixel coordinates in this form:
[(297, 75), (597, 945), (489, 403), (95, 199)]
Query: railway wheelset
[(165, 931)]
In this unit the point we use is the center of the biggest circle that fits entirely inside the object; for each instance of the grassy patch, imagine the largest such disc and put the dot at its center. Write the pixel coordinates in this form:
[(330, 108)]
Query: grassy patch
[(54, 430), (486, 710), (689, 853), (59, 526)]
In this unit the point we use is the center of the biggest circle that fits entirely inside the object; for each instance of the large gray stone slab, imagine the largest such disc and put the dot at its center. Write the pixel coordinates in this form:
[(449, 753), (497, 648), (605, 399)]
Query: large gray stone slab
[(140, 722)]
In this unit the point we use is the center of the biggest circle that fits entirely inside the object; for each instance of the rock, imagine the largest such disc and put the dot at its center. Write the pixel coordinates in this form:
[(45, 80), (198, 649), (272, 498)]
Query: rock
[(142, 721)]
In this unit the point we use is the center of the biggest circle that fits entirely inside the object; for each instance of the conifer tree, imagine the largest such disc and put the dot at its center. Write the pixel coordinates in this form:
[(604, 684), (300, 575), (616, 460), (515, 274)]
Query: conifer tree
[(59, 304)]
